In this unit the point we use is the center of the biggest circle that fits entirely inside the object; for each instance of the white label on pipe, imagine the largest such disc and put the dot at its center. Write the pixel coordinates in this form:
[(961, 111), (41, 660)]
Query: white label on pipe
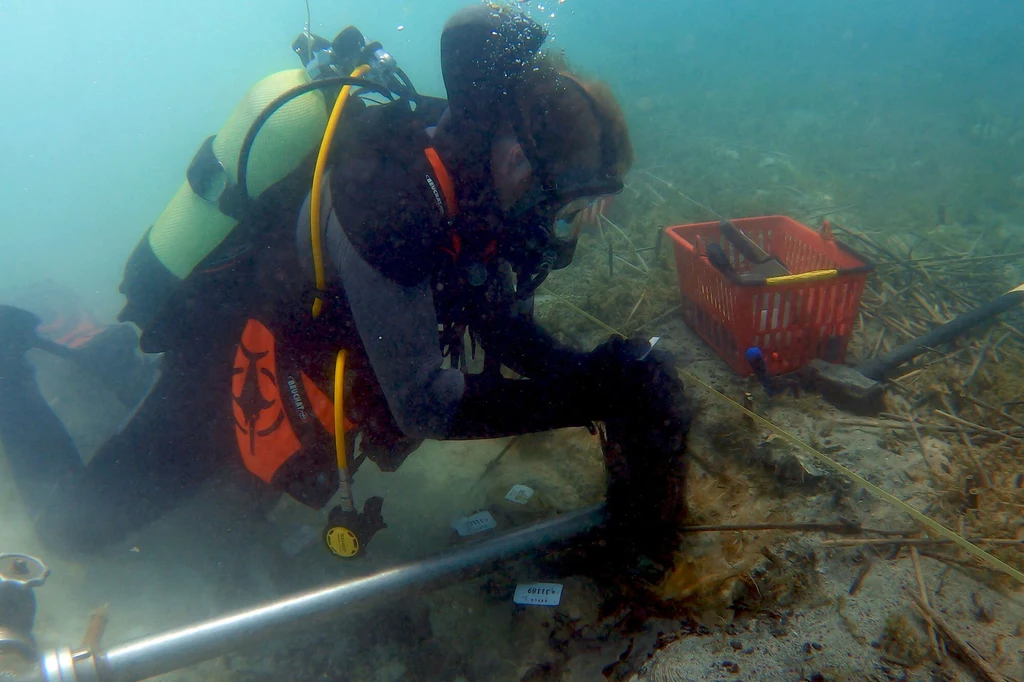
[(477, 523), (538, 594)]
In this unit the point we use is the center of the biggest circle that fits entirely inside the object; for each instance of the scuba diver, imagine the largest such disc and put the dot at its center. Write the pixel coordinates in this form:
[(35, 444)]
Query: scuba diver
[(429, 223)]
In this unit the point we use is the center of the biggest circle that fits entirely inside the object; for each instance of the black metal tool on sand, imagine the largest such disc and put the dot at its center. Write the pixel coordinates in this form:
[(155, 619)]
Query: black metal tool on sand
[(860, 389)]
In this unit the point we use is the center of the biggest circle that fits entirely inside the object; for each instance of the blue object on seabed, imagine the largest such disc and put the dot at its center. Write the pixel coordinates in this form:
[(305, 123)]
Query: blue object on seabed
[(755, 358)]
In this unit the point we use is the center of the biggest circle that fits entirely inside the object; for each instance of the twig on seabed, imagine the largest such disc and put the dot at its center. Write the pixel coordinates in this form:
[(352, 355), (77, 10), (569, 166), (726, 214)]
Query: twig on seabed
[(976, 427), (632, 189), (684, 195), (841, 527), (824, 214), (957, 260), (857, 542), (635, 307), (601, 216), (878, 247), (936, 475), (909, 375), (992, 408), (960, 648), (623, 260), (986, 480), (891, 424), (932, 638), (1013, 330), (608, 247), (878, 344), (966, 564), (659, 318), (928, 308), (980, 359), (869, 563), (494, 462), (661, 199)]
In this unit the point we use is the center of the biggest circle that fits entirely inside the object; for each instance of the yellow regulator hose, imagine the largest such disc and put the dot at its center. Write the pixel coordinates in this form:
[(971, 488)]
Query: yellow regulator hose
[(318, 176)]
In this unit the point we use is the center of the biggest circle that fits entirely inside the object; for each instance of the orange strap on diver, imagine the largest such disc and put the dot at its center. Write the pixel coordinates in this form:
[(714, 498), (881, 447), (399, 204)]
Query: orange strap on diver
[(444, 179)]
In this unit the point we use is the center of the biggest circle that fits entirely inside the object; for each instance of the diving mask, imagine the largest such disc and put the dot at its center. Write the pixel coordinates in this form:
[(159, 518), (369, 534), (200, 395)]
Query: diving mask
[(566, 230), (546, 217), (546, 242), (545, 222)]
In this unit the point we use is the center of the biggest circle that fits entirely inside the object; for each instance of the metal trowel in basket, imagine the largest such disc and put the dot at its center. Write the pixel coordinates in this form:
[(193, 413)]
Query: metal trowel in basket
[(765, 264)]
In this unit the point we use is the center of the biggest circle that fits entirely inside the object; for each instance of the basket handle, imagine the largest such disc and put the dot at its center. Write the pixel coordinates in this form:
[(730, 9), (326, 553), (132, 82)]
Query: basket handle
[(812, 276)]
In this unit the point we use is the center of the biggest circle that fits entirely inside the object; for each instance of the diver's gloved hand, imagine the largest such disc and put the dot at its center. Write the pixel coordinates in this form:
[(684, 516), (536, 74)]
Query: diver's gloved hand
[(614, 382), (646, 497), (17, 336), (637, 384), (647, 417)]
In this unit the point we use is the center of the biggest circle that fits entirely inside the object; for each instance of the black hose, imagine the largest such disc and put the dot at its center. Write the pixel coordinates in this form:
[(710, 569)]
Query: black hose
[(409, 91), (53, 348), (280, 101)]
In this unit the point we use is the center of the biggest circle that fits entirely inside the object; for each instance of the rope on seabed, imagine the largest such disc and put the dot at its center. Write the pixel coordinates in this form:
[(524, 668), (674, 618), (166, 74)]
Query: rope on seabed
[(926, 521)]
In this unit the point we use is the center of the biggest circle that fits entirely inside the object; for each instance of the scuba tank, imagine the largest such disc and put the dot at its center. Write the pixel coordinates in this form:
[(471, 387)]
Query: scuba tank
[(274, 131)]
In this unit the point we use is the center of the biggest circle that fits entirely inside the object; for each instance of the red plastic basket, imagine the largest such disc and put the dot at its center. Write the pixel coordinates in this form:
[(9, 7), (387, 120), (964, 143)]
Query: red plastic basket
[(792, 319)]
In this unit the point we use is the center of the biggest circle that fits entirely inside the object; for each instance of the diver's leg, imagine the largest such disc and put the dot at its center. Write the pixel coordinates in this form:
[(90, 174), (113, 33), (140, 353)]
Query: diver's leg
[(40, 452), (178, 437)]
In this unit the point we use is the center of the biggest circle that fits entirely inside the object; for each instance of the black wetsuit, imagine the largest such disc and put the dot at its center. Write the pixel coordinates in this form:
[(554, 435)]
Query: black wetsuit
[(391, 281)]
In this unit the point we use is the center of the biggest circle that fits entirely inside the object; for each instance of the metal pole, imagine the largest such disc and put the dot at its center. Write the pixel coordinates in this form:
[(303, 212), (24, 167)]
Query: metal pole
[(162, 653)]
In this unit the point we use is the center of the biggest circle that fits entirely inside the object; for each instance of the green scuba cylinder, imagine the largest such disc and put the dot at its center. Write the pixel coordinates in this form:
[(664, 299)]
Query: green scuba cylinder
[(209, 204)]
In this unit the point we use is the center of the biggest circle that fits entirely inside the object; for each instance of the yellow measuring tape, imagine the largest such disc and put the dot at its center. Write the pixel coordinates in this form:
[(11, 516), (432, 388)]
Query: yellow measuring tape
[(926, 521)]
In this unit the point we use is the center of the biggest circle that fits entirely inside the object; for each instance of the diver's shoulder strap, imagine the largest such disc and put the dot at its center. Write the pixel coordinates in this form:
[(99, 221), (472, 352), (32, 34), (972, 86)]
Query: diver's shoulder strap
[(444, 183)]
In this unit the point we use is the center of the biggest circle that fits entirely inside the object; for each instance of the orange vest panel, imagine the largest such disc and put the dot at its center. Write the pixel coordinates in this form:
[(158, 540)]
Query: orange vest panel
[(265, 436)]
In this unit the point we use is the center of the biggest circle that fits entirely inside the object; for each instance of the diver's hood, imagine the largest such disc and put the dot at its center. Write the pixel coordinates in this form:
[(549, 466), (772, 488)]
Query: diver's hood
[(485, 51)]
